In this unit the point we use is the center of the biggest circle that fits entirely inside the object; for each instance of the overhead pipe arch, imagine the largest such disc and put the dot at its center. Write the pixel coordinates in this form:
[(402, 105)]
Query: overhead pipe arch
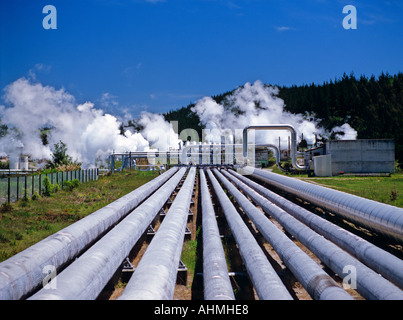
[(286, 127)]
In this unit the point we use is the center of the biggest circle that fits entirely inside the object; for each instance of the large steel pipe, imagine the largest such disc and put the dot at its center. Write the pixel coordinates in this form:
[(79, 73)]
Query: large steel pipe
[(267, 283), (385, 263), (379, 217), (286, 127), (155, 276), (369, 283), (312, 277), (24, 272), (85, 278), (217, 284)]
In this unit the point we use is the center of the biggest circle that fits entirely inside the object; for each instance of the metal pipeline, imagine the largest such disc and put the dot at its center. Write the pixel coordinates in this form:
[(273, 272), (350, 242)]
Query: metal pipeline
[(267, 283), (217, 284), (383, 262), (287, 127), (312, 277), (369, 283), (275, 148), (379, 217), (85, 278), (23, 273), (155, 276)]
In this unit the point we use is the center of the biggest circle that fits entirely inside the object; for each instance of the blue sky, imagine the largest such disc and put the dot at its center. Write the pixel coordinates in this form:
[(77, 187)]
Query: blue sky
[(158, 55)]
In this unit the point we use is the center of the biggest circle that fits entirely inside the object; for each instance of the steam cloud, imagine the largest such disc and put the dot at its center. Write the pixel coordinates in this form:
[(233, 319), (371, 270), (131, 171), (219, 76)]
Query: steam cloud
[(89, 133), (257, 104)]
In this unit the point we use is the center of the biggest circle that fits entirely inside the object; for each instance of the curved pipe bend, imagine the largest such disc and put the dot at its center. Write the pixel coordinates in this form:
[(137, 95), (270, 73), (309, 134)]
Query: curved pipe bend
[(287, 127)]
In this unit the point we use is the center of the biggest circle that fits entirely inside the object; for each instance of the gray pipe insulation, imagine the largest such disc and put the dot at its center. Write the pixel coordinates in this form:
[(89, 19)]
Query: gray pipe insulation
[(155, 275), (24, 272), (265, 280), (217, 284), (383, 262), (85, 278), (318, 283), (369, 283), (379, 217)]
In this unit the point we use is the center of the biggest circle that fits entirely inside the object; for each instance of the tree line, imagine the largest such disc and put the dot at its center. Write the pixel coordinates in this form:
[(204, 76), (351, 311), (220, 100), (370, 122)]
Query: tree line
[(373, 106)]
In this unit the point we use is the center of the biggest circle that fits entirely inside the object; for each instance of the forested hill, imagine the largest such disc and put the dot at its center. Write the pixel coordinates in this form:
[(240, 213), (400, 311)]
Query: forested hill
[(372, 106)]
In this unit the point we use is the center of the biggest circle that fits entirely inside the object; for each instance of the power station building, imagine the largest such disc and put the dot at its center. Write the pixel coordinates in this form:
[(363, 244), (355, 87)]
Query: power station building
[(352, 156)]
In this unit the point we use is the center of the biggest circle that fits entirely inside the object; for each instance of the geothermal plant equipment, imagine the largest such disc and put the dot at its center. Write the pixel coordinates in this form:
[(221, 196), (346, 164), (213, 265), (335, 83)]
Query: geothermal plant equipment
[(257, 217)]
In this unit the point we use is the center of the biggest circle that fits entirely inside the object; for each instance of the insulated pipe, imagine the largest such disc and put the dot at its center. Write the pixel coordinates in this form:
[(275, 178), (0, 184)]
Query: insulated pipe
[(155, 276), (217, 284), (268, 145), (369, 283), (24, 272), (85, 278), (287, 127), (383, 262), (318, 283), (267, 283), (379, 217)]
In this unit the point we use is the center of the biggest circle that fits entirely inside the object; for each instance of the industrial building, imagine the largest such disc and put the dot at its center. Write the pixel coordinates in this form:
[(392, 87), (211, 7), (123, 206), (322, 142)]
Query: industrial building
[(366, 156)]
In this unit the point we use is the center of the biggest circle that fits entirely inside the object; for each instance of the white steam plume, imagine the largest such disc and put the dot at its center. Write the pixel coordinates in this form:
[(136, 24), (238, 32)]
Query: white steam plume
[(88, 132), (257, 104)]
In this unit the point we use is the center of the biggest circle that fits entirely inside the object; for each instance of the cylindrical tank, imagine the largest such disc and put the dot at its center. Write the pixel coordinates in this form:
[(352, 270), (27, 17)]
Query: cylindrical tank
[(13, 162), (23, 163)]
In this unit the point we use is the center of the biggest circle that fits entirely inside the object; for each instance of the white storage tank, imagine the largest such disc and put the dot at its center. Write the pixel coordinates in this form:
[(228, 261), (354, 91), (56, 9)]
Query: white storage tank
[(23, 163), (13, 162)]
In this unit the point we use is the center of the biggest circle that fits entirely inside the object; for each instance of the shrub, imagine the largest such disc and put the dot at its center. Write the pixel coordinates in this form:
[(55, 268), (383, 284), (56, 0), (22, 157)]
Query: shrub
[(70, 185), (49, 188)]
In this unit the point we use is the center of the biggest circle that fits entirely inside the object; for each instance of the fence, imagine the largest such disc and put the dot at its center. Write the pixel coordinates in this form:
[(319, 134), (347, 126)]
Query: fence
[(15, 187)]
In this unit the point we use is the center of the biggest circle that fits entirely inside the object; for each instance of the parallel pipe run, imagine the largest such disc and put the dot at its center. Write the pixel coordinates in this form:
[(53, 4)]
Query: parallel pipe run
[(217, 284), (23, 273), (267, 283), (155, 276), (369, 283), (379, 217), (312, 277), (86, 277), (383, 262)]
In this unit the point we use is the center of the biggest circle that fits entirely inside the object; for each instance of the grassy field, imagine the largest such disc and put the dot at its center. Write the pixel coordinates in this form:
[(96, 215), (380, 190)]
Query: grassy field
[(24, 223)]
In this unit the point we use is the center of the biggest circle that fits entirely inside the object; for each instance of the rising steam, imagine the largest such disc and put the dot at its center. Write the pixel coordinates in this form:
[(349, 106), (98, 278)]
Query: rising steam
[(257, 104), (90, 133)]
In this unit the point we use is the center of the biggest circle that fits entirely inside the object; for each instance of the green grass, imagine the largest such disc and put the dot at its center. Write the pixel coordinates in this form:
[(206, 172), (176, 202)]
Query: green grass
[(25, 223)]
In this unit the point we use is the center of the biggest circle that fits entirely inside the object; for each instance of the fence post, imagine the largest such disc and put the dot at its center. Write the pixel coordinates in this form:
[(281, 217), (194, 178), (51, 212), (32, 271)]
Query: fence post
[(9, 189), (18, 186), (25, 188)]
